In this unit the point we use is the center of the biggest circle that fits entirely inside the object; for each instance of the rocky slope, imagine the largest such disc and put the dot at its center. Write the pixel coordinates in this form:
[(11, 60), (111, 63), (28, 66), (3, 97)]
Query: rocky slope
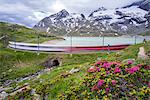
[(132, 18)]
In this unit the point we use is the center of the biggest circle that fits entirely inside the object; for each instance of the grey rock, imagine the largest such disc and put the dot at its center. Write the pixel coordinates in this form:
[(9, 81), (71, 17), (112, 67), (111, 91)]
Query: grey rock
[(74, 70), (33, 91), (36, 97), (145, 5), (20, 89), (147, 16), (3, 95)]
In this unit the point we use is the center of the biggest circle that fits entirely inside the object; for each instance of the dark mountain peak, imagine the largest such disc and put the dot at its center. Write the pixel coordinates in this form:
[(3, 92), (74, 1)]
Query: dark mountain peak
[(143, 4), (61, 14), (134, 4), (64, 11), (99, 9)]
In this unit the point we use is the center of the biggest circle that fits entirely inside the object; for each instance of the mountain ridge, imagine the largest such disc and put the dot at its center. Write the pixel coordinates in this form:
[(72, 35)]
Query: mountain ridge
[(126, 20)]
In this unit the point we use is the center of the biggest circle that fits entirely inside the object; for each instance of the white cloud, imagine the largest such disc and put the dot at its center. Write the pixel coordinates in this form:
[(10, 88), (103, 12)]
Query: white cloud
[(58, 5)]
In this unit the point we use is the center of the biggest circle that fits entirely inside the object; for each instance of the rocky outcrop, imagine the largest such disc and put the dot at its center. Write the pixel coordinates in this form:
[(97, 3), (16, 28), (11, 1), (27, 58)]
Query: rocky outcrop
[(61, 21), (147, 16), (145, 5)]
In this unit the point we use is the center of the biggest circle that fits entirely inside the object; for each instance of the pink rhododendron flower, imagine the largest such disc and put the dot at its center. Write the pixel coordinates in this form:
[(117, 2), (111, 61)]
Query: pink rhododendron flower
[(116, 63), (94, 88), (104, 65), (132, 70), (113, 82), (139, 65), (107, 65), (117, 70), (130, 62), (140, 79), (147, 67), (98, 69), (98, 63), (127, 69), (94, 69), (149, 84), (100, 83), (107, 72), (107, 90)]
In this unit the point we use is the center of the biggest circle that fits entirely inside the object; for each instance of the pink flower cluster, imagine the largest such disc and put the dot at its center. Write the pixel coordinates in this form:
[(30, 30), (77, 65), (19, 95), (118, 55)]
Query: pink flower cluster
[(114, 82), (117, 70), (100, 83), (112, 69), (106, 65), (130, 62), (94, 69), (132, 70)]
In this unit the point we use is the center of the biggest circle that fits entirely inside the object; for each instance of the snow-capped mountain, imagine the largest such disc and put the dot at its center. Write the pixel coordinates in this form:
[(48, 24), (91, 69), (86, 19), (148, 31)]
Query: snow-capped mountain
[(61, 21), (134, 18), (120, 20)]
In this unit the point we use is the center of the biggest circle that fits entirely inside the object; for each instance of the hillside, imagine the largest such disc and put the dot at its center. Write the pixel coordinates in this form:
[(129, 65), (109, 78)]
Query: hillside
[(20, 33), (13, 64), (60, 82)]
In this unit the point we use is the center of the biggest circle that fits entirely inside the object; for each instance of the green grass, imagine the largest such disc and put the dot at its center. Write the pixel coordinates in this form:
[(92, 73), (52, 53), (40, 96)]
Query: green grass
[(18, 64), (56, 85), (23, 34)]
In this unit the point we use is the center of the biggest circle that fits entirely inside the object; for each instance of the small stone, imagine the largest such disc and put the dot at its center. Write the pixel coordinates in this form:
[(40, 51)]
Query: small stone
[(33, 92), (73, 71), (99, 59), (36, 97), (10, 70), (3, 95), (26, 84)]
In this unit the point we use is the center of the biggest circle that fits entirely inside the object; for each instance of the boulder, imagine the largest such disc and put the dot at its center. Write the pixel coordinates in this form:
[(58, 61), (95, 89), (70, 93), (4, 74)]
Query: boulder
[(141, 54), (3, 95), (51, 62), (74, 70)]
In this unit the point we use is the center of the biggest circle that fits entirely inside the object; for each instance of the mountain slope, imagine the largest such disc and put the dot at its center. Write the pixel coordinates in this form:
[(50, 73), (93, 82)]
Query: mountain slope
[(20, 33), (131, 19), (60, 21)]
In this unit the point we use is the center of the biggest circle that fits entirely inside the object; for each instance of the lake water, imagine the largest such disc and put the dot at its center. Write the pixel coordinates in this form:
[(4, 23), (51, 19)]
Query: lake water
[(98, 41)]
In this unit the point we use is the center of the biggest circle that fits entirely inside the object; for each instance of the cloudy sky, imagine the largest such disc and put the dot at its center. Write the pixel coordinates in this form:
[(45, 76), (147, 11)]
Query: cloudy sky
[(29, 12)]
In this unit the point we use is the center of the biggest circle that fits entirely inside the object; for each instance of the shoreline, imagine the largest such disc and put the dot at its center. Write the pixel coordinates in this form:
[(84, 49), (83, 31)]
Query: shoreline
[(56, 41)]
